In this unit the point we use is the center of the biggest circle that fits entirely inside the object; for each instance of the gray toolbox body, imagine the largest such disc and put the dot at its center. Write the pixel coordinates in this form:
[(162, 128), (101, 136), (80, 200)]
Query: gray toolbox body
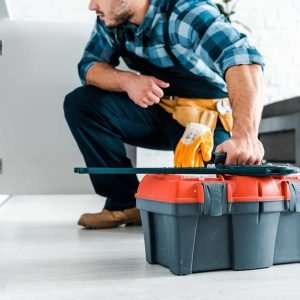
[(217, 234)]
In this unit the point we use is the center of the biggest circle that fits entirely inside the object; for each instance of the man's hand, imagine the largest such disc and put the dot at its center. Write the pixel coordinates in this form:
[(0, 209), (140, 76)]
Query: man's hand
[(242, 151), (144, 90)]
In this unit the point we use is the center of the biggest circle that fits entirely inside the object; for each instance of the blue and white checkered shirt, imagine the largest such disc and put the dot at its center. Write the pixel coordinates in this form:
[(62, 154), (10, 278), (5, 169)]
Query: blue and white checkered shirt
[(201, 38)]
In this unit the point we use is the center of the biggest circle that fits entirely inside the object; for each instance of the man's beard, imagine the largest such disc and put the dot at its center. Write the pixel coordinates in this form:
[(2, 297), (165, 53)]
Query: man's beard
[(120, 18)]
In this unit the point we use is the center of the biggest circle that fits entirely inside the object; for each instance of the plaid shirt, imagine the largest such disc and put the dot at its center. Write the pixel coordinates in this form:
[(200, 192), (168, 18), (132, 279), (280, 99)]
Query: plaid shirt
[(201, 38)]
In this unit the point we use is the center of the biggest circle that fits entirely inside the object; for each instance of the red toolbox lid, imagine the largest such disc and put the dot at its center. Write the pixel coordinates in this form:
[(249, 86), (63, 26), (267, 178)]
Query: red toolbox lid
[(189, 189)]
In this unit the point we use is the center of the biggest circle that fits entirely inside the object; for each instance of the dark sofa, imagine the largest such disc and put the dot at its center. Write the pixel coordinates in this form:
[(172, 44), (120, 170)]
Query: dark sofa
[(280, 131)]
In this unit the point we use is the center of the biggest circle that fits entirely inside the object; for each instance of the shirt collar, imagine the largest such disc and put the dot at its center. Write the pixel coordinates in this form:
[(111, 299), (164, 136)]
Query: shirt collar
[(153, 16)]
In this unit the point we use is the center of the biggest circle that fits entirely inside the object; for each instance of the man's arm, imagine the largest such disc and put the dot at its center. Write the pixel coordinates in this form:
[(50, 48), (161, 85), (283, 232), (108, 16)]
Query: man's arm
[(97, 68), (106, 77), (142, 90), (246, 92)]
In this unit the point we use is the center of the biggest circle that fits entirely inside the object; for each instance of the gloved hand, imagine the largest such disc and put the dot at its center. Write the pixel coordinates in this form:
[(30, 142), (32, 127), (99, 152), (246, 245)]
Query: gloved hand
[(195, 146)]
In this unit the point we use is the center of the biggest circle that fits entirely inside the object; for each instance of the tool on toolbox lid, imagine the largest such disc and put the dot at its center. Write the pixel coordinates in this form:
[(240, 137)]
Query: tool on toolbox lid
[(267, 169)]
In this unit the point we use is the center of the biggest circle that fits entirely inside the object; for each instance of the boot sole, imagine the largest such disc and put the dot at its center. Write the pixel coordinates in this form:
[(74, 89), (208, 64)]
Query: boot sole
[(128, 223), (134, 223)]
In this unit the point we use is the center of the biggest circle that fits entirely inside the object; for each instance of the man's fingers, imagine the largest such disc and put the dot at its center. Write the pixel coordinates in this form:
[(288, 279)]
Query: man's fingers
[(239, 158), (251, 160), (258, 159), (242, 158), (161, 83), (142, 105), (153, 98), (257, 162), (149, 100), (238, 154), (157, 91), (230, 160)]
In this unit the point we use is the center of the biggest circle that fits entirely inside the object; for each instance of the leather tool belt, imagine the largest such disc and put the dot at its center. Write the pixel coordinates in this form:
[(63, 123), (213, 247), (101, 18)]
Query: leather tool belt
[(198, 110)]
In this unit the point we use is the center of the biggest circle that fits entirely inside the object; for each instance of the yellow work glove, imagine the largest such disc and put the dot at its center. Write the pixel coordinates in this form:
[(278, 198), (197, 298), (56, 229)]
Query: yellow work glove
[(195, 146)]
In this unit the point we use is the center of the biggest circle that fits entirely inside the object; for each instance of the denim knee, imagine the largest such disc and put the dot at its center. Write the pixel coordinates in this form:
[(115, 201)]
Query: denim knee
[(73, 103)]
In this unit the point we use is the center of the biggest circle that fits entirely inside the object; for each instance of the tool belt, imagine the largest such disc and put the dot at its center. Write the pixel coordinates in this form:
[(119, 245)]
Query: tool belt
[(198, 110)]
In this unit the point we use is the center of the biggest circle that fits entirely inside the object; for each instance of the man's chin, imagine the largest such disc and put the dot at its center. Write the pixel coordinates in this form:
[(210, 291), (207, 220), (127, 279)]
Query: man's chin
[(109, 25), (112, 23)]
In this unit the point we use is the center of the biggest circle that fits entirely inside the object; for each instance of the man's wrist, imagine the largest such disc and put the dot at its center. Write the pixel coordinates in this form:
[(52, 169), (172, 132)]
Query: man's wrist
[(245, 127), (244, 133), (124, 78)]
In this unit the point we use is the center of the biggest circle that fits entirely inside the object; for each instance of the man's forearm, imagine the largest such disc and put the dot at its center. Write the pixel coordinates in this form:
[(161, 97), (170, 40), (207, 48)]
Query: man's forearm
[(107, 78), (246, 92)]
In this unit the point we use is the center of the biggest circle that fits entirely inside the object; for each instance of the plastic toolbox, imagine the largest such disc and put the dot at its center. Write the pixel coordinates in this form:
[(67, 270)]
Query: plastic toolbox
[(195, 223)]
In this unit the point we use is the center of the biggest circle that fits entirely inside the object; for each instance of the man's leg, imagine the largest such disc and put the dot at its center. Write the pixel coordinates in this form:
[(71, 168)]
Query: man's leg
[(101, 122)]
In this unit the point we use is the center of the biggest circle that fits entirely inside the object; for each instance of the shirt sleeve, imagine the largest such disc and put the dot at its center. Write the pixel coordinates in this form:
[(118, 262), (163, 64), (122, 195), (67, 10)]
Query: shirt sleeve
[(101, 47), (214, 42)]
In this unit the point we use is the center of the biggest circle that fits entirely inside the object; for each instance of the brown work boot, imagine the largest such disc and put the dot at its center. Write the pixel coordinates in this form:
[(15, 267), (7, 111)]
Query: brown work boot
[(111, 219)]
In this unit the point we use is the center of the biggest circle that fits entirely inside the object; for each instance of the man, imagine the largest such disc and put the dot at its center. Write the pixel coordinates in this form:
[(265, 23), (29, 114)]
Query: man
[(183, 50)]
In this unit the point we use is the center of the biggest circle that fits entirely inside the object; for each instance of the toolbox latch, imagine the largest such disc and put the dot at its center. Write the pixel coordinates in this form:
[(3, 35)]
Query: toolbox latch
[(215, 201), (295, 196)]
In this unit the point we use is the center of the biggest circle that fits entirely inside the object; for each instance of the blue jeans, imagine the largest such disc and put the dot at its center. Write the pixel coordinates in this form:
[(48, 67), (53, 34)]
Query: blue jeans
[(101, 122)]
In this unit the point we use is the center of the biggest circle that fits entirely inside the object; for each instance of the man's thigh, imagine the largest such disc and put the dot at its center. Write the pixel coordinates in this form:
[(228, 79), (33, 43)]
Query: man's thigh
[(150, 128)]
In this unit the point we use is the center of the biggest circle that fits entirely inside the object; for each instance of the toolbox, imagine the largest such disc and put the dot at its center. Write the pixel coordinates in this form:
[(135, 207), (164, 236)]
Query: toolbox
[(194, 224), (226, 217)]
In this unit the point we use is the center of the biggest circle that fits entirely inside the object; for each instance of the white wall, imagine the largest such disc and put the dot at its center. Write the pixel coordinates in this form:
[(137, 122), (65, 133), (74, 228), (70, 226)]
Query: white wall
[(37, 69), (51, 10), (3, 9), (275, 26)]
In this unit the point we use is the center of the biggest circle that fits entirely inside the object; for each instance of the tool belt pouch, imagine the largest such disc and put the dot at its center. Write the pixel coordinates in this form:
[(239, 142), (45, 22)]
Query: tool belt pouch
[(205, 112), (223, 107), (227, 121), (185, 114)]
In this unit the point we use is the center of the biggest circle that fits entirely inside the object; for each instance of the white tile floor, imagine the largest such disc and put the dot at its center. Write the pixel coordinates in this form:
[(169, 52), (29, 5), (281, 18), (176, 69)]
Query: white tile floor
[(45, 255)]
